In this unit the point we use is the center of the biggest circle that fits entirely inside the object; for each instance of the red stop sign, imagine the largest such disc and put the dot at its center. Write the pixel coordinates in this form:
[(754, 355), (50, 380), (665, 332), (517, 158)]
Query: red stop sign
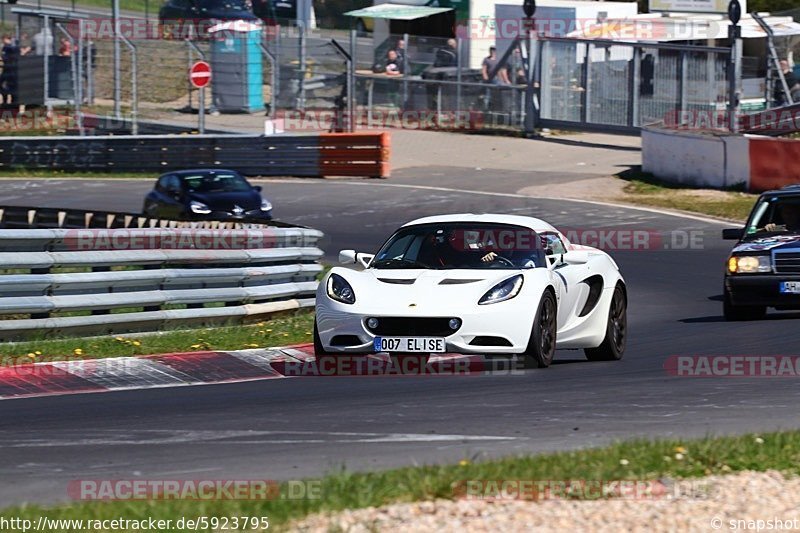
[(200, 74)]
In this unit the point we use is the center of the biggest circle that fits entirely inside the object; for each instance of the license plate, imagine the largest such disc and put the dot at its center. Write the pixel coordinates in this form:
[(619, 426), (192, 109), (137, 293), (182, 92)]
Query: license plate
[(790, 287), (409, 344)]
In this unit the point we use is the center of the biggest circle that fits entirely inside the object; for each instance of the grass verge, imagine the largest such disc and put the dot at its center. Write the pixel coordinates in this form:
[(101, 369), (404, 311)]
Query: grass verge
[(633, 460), (278, 331), (644, 189)]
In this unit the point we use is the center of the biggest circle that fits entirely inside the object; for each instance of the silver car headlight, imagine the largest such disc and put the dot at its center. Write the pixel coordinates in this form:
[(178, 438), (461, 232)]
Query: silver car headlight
[(265, 205), (749, 264), (505, 290), (339, 290)]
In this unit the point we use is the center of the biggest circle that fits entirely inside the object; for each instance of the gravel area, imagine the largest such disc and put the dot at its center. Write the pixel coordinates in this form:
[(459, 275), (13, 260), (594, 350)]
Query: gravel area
[(707, 504)]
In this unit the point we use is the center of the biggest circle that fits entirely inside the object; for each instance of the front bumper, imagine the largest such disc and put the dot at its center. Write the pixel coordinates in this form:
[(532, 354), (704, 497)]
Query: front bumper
[(255, 214), (343, 325), (761, 290)]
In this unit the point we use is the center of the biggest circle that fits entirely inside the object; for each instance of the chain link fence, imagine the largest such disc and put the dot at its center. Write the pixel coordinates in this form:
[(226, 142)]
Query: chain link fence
[(318, 80)]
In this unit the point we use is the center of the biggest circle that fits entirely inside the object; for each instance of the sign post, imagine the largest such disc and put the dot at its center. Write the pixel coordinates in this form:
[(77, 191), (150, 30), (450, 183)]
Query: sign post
[(200, 77), (529, 8), (734, 33)]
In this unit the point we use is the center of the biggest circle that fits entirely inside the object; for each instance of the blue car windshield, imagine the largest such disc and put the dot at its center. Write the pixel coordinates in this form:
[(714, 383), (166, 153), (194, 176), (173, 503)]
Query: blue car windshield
[(215, 182), (462, 245), (223, 5)]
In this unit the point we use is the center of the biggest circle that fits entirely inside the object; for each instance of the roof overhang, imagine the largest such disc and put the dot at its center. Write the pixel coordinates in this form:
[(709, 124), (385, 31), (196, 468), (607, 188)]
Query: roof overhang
[(397, 12)]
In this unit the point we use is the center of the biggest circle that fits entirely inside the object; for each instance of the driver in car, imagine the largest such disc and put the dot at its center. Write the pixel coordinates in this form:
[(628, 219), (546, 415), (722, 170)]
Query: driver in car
[(790, 214)]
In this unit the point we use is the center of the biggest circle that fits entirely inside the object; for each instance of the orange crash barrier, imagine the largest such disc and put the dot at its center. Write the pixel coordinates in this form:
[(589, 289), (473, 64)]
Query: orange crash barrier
[(354, 154)]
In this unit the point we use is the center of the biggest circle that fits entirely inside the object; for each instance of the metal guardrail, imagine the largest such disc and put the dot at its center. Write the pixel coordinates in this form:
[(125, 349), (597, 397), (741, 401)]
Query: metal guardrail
[(25, 217), (114, 280), (332, 154)]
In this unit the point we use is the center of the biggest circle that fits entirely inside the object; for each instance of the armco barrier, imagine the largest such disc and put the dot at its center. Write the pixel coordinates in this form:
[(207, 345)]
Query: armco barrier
[(90, 280), (720, 159), (333, 154), (25, 217)]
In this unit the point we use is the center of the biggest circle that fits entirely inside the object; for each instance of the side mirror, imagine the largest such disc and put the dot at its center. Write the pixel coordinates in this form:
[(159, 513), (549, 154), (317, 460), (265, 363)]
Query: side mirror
[(347, 257), (732, 234), (576, 257), (257, 188)]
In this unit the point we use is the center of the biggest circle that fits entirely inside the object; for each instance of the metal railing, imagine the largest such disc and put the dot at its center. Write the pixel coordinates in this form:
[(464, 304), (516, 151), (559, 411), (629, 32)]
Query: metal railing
[(80, 281)]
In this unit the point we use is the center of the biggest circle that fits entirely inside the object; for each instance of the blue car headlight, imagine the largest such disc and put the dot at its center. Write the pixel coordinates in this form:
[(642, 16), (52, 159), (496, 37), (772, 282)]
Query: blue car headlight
[(265, 205), (505, 290), (339, 290), (199, 208)]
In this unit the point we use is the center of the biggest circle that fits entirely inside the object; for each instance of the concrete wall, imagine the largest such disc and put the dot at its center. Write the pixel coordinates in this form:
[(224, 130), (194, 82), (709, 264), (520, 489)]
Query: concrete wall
[(696, 159)]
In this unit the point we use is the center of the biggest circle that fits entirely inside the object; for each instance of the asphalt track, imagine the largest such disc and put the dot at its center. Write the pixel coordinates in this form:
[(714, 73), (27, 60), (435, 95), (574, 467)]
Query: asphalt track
[(293, 428)]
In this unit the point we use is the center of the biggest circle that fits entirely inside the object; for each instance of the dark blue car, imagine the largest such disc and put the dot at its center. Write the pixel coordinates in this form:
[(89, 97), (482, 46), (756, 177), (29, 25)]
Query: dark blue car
[(206, 194)]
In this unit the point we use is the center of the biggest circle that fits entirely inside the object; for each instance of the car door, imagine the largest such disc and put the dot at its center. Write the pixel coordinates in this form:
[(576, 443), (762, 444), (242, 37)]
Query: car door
[(170, 196), (569, 278)]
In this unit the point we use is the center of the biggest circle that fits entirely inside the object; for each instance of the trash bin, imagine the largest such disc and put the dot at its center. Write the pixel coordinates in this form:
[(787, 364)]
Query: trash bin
[(236, 67)]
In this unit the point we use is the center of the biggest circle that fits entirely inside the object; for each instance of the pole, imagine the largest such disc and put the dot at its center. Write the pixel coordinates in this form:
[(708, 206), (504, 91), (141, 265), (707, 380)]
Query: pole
[(530, 119), (201, 115), (117, 60), (734, 31), (351, 76), (46, 32)]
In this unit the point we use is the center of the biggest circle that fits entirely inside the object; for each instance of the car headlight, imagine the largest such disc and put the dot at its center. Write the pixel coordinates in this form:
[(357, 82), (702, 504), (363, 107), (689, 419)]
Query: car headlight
[(340, 290), (505, 290), (265, 205), (749, 264), (199, 208)]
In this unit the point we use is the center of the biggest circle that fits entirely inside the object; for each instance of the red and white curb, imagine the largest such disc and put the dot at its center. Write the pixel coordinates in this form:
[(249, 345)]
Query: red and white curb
[(200, 368)]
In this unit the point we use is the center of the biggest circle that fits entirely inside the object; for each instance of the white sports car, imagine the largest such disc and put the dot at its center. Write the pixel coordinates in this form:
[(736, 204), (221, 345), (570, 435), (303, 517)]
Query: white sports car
[(474, 284)]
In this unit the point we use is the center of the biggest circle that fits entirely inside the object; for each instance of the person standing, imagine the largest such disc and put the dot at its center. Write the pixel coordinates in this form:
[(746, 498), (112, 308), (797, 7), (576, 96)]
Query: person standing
[(8, 79), (779, 96), (489, 65)]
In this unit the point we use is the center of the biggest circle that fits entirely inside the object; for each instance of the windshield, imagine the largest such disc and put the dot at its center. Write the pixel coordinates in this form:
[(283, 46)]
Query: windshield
[(215, 182), (223, 5), (461, 245), (776, 214)]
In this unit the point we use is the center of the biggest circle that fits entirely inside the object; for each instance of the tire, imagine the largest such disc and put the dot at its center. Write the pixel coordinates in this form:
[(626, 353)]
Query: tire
[(542, 343), (736, 313), (613, 345), (319, 350)]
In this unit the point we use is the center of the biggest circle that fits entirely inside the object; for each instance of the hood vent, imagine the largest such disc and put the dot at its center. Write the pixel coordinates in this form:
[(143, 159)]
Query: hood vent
[(457, 281), (397, 281)]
